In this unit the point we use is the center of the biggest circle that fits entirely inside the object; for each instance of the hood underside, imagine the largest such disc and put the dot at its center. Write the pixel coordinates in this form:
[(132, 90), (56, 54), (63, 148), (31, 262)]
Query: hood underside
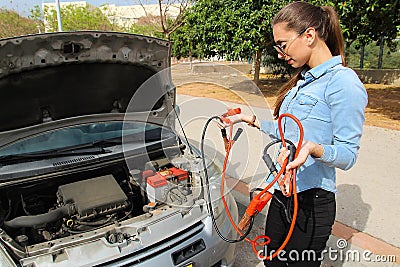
[(49, 77)]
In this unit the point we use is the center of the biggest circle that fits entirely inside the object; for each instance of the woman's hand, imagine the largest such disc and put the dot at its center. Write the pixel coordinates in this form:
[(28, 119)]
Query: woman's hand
[(308, 148), (241, 117), (234, 119)]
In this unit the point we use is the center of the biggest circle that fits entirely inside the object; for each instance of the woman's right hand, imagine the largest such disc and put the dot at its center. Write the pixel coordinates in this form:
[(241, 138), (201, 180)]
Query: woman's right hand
[(233, 119), (241, 117)]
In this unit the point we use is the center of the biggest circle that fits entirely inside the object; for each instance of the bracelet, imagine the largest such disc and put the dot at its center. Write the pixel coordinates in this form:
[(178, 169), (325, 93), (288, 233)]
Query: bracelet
[(253, 120)]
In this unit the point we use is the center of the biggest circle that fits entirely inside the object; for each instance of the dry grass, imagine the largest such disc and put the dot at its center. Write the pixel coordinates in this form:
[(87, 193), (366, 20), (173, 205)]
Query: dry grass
[(383, 108)]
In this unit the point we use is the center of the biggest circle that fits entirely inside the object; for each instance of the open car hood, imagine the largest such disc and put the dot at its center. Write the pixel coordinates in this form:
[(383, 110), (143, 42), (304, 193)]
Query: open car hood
[(51, 77)]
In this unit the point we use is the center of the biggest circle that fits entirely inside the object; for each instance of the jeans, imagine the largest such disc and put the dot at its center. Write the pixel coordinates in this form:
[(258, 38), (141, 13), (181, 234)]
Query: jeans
[(315, 217)]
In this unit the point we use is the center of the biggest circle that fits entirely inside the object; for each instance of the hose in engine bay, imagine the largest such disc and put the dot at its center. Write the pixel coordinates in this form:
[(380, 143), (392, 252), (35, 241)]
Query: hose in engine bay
[(34, 220)]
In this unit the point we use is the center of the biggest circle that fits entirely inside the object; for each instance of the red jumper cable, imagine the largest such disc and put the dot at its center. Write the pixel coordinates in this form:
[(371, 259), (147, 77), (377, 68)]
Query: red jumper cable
[(259, 201)]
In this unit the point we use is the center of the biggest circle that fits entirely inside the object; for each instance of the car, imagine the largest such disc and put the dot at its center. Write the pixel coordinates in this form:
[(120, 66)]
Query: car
[(93, 171)]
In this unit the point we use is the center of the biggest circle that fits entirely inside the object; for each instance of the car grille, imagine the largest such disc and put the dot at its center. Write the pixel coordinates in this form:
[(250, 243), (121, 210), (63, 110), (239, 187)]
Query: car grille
[(188, 251), (158, 248)]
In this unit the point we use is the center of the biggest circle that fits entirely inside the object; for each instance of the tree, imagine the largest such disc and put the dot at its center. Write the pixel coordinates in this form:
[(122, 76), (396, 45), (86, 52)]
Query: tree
[(364, 21), (37, 16), (144, 26), (169, 26), (78, 18), (12, 24), (232, 29), (165, 21), (384, 24), (391, 60), (183, 42)]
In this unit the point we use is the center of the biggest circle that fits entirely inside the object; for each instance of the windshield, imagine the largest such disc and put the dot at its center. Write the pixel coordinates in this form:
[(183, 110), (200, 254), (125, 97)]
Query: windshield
[(84, 134)]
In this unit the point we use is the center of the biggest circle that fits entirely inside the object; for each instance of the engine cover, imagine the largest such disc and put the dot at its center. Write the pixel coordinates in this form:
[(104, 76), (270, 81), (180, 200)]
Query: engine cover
[(96, 196)]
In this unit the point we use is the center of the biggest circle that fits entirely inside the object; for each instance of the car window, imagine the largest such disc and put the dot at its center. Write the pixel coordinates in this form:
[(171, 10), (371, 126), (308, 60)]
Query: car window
[(82, 134)]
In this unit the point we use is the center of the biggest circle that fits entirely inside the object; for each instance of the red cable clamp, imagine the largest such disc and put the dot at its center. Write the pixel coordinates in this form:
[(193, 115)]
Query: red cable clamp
[(256, 205)]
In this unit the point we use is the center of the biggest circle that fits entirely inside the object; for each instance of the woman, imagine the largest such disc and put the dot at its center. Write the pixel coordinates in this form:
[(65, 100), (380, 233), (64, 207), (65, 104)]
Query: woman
[(329, 100)]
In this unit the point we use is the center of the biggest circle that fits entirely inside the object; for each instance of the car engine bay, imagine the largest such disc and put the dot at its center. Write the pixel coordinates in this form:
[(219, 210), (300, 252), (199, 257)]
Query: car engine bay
[(40, 212)]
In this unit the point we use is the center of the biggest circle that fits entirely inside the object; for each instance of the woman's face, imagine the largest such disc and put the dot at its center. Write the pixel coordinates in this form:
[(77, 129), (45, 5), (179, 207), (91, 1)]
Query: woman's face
[(291, 45)]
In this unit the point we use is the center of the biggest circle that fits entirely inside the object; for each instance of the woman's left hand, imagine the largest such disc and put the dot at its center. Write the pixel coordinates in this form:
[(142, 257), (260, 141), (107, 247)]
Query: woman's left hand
[(308, 148)]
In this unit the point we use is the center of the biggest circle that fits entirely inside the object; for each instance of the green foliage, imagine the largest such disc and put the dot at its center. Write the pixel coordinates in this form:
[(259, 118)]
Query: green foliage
[(237, 29), (391, 60), (12, 24), (76, 18), (149, 26), (233, 29), (364, 21), (183, 42), (37, 16), (145, 29), (368, 20)]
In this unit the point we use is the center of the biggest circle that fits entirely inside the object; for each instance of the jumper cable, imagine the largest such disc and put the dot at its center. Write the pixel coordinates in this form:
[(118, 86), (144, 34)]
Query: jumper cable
[(259, 201)]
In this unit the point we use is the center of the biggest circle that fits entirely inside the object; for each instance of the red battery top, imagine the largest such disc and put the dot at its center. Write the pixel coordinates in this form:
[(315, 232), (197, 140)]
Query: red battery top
[(160, 178), (157, 180), (179, 174)]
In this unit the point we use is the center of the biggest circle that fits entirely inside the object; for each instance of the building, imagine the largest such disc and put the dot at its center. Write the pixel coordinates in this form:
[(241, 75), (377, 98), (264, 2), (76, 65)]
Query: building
[(126, 16), (51, 6), (122, 16)]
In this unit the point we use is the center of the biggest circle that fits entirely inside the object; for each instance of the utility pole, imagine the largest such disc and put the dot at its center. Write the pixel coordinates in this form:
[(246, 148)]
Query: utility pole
[(59, 15)]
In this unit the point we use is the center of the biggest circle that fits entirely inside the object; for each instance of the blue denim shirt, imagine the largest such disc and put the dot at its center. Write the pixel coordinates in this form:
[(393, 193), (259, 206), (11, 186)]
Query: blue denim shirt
[(329, 101)]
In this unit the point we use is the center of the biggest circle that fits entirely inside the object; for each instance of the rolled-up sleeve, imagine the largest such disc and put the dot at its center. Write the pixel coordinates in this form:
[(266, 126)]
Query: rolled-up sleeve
[(347, 99)]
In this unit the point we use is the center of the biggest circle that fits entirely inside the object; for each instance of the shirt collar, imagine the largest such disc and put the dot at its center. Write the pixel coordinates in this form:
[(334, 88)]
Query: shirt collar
[(318, 71)]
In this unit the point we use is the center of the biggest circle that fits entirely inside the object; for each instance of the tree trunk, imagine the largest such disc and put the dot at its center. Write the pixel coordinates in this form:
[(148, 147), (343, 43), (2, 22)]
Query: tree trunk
[(190, 58), (362, 53), (346, 54), (257, 65), (380, 56)]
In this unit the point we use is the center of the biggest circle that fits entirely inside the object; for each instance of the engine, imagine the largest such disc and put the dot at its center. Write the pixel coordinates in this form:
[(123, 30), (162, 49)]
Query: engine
[(94, 197), (44, 212)]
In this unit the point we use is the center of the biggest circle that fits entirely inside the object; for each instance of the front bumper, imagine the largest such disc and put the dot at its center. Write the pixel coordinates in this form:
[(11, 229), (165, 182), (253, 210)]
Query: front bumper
[(216, 252), (159, 244)]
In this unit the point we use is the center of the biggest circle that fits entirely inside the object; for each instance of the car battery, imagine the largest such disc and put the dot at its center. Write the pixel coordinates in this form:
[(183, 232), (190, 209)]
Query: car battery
[(157, 185), (176, 176), (181, 176), (157, 188)]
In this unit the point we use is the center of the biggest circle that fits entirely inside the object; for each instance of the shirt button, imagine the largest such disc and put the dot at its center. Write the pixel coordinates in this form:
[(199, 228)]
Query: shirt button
[(301, 101)]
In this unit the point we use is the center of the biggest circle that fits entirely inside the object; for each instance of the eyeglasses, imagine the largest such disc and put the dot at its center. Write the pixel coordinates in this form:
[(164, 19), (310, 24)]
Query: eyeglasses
[(281, 48)]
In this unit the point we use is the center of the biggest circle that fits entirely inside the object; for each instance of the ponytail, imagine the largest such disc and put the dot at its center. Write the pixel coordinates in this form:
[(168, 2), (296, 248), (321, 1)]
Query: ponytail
[(334, 37)]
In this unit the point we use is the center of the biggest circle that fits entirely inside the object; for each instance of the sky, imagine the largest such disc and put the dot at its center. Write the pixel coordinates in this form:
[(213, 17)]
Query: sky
[(23, 6)]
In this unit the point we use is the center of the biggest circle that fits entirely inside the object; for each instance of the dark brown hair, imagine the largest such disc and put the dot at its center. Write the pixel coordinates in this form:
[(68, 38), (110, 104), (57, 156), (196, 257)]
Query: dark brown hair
[(299, 16)]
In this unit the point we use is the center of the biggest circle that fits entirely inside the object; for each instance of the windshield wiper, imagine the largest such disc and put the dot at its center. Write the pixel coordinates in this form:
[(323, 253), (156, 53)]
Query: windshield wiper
[(95, 147), (85, 149)]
